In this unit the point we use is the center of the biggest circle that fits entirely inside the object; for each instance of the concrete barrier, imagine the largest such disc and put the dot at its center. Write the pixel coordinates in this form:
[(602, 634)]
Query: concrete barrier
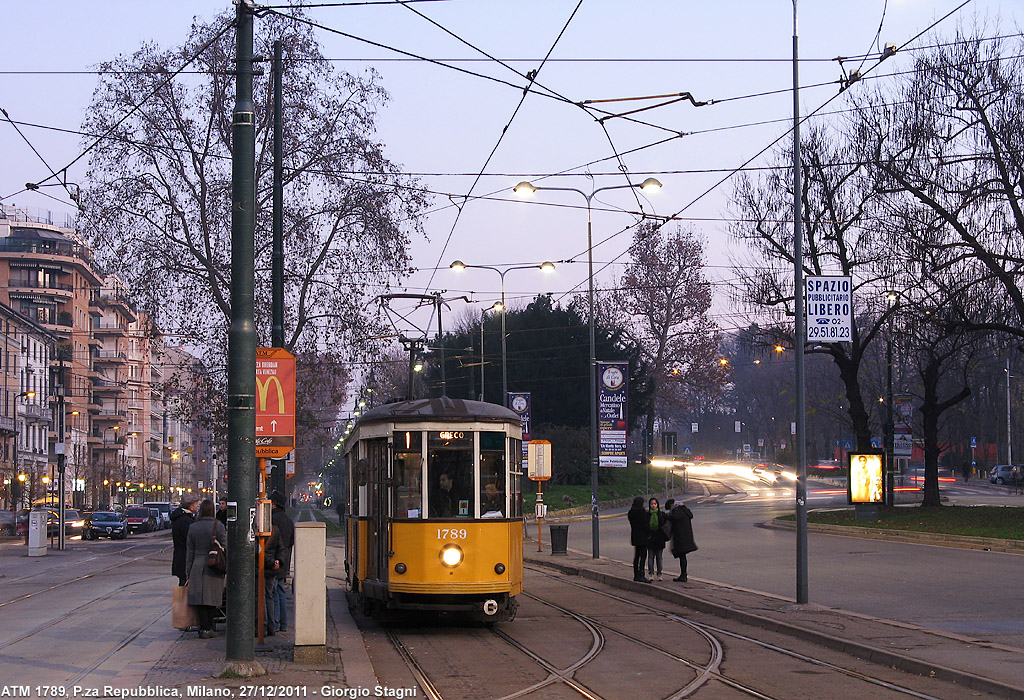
[(310, 592)]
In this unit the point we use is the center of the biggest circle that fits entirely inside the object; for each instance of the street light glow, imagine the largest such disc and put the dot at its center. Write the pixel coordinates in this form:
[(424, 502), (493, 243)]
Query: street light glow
[(547, 266), (650, 185), (524, 189)]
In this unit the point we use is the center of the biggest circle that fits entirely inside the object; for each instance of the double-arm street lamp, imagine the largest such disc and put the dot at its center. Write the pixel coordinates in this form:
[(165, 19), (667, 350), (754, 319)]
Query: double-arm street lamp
[(458, 266), (526, 189)]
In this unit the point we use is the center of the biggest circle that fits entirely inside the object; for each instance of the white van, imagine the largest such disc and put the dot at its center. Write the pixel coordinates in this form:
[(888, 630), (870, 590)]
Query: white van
[(165, 512)]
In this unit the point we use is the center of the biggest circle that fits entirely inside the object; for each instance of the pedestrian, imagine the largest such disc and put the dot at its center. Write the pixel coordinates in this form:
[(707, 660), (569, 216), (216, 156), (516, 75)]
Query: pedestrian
[(679, 517), (222, 511), (205, 587), (181, 520), (638, 537), (657, 525), (271, 563), (279, 517)]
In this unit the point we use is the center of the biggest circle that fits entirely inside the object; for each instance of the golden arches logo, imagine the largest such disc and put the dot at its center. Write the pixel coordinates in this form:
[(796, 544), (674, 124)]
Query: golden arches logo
[(263, 388)]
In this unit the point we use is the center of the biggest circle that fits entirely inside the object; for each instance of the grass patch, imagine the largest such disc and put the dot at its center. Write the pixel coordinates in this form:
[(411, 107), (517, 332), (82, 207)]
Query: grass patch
[(624, 483), (970, 521), (333, 529)]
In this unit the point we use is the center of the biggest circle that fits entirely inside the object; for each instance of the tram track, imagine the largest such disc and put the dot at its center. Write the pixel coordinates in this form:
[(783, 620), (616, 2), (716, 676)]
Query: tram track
[(707, 629), (76, 579)]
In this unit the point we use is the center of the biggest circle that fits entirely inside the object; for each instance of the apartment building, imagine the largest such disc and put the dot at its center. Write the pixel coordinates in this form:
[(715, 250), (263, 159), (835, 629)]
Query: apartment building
[(112, 357)]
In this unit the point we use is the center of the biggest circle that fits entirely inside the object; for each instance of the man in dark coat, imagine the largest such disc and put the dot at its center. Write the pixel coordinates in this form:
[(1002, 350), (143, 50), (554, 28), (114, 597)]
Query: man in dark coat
[(679, 517), (285, 525), (181, 520), (639, 536)]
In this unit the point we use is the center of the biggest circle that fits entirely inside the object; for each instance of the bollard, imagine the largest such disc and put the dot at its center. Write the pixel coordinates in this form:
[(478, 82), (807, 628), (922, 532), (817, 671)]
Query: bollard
[(559, 539), (310, 580)]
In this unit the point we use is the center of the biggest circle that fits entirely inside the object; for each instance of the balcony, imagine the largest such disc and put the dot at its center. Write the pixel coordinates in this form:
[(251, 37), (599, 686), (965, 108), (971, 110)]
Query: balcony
[(110, 357), (113, 329), (7, 425), (58, 290), (111, 414), (106, 386)]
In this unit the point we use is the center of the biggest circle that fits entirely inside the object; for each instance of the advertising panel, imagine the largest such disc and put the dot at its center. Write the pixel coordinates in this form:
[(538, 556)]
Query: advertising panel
[(902, 419), (864, 482), (612, 395), (829, 309), (275, 402)]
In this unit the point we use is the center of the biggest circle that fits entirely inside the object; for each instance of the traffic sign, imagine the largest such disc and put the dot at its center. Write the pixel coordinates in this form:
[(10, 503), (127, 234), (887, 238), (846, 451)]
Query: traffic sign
[(974, 442), (687, 450), (275, 402), (847, 444), (876, 443)]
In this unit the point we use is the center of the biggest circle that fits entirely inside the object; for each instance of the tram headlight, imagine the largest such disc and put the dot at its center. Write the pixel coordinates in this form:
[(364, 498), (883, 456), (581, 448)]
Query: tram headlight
[(452, 555)]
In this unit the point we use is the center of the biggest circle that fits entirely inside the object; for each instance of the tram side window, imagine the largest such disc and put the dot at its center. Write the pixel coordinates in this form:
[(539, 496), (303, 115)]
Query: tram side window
[(450, 473), (408, 474), (492, 475), (515, 478)]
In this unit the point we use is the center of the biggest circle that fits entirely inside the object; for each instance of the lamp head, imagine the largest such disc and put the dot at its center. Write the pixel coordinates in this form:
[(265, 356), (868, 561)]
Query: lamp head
[(524, 189), (498, 306), (650, 185), (418, 367), (547, 266), (458, 266)]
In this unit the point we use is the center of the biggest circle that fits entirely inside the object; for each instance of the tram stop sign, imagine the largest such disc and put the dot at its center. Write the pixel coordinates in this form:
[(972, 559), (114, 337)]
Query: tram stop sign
[(275, 402), (538, 460)]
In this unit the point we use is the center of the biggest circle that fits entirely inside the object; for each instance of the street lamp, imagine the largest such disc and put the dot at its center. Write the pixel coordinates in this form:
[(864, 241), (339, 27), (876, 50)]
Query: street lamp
[(546, 266), (526, 189)]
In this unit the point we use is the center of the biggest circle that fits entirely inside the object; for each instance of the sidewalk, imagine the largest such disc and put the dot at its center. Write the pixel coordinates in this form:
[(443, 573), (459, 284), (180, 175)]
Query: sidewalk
[(185, 660), (973, 663)]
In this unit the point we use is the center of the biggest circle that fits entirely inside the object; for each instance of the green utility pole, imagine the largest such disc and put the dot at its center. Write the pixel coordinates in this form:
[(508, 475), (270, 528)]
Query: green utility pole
[(241, 462), (277, 262)]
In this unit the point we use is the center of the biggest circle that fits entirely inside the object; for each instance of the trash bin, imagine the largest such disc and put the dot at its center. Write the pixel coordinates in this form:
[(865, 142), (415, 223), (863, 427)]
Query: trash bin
[(559, 539)]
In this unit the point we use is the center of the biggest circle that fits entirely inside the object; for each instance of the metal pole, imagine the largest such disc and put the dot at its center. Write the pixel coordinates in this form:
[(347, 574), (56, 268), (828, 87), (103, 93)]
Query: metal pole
[(594, 523), (277, 476), (1009, 441), (242, 353), (483, 316), (798, 286), (504, 355), (890, 438), (438, 301)]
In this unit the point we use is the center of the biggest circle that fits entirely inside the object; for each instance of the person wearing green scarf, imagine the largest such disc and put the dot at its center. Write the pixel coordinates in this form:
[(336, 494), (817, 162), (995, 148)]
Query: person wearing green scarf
[(656, 544)]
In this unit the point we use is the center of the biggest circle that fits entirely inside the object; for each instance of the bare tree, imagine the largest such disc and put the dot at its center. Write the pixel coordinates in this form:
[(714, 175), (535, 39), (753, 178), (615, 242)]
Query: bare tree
[(665, 298), (841, 238), (946, 150), (158, 196)]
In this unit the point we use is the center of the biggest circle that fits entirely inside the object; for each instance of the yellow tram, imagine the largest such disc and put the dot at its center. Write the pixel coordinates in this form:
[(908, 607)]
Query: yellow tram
[(435, 508)]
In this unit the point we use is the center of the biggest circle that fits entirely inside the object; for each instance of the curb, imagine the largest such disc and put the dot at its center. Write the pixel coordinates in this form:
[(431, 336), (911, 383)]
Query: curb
[(986, 544), (867, 652)]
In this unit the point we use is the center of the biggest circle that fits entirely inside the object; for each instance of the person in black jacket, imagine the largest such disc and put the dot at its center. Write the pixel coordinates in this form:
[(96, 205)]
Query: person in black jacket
[(679, 517), (181, 520), (283, 523), (639, 536)]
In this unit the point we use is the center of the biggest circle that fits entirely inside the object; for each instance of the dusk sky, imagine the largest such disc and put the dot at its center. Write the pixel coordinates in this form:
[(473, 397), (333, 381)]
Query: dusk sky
[(442, 125)]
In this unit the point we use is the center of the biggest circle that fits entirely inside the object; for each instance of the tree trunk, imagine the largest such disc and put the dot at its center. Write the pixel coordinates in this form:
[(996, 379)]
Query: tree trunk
[(930, 424), (848, 370)]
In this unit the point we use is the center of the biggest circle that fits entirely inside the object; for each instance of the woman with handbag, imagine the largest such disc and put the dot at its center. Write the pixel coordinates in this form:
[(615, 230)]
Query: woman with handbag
[(205, 585)]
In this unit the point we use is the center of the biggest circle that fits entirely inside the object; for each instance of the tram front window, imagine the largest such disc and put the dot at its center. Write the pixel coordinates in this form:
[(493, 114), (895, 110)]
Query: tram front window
[(408, 474), (450, 474), (492, 475)]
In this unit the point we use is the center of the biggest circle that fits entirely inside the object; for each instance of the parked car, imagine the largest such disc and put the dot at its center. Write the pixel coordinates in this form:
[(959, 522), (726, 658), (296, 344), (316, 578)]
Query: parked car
[(1003, 474), (165, 512), (52, 523), (105, 524), (8, 523), (140, 519)]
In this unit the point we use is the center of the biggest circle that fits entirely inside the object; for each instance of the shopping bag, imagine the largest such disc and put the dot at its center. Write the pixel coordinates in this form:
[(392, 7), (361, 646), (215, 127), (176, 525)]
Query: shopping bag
[(183, 615)]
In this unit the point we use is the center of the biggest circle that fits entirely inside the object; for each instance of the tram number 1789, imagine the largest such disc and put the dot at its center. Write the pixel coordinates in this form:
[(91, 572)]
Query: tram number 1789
[(450, 534)]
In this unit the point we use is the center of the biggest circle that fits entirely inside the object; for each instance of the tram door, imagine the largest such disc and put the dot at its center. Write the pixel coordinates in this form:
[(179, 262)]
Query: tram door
[(377, 536)]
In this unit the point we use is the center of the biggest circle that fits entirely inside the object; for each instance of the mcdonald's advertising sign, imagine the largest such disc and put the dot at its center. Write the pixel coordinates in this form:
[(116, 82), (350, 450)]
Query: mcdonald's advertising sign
[(275, 402)]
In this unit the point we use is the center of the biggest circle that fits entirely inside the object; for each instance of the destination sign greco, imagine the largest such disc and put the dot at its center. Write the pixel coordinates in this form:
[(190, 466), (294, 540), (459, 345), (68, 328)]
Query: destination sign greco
[(829, 305)]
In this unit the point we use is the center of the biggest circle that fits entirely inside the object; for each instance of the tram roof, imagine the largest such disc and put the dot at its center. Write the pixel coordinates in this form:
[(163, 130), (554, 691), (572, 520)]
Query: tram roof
[(439, 408)]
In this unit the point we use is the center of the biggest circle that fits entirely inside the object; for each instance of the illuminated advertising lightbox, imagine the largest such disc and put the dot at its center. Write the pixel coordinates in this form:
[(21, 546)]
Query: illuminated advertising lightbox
[(864, 482)]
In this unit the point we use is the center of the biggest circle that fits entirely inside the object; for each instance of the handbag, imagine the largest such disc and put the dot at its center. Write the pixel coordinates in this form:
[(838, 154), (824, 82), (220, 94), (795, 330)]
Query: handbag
[(216, 560), (183, 615)]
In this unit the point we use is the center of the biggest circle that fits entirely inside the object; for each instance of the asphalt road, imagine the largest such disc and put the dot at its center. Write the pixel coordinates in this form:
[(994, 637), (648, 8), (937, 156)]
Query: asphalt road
[(967, 592)]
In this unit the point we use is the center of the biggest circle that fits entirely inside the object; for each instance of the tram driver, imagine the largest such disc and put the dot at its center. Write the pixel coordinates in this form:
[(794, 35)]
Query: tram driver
[(441, 501)]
